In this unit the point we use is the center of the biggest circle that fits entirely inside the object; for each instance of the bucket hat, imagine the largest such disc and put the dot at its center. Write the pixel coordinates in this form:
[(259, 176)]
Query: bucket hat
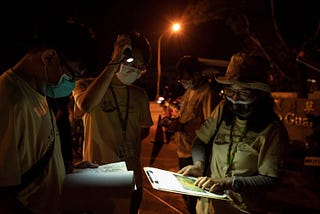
[(249, 71)]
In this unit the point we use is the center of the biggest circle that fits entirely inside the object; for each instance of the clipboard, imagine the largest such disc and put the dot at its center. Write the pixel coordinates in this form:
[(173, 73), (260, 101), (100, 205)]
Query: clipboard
[(168, 181)]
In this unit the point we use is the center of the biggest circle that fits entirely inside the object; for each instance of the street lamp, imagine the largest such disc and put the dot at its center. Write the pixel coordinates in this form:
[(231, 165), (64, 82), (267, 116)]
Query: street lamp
[(175, 28)]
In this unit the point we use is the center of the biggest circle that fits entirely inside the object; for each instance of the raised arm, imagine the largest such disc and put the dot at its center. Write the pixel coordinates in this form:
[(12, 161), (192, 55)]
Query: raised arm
[(93, 95)]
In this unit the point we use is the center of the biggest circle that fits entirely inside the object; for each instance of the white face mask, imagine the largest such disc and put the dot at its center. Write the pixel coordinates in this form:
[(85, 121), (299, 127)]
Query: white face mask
[(128, 74), (241, 108), (243, 102), (187, 84)]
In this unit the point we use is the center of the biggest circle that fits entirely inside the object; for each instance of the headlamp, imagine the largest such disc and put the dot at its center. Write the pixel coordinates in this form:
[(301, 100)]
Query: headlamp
[(128, 55)]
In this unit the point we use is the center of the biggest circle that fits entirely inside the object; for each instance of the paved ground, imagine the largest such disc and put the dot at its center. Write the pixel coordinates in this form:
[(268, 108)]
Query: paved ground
[(155, 201), (299, 194)]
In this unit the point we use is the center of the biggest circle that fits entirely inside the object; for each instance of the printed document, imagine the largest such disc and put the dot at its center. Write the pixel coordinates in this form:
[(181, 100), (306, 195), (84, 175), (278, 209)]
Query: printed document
[(173, 182)]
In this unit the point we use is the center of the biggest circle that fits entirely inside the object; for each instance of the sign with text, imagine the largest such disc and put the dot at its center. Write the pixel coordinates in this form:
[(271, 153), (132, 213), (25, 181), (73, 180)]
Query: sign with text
[(298, 115)]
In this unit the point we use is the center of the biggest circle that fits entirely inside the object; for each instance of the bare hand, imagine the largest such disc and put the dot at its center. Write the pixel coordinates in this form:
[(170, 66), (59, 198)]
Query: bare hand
[(191, 170), (214, 185), (85, 164), (123, 42)]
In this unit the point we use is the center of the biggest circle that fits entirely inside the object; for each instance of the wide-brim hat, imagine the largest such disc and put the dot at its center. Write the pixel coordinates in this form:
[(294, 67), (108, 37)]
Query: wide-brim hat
[(245, 70)]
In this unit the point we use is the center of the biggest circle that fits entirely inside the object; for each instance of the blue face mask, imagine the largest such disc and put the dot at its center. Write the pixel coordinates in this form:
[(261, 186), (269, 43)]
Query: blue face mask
[(62, 89)]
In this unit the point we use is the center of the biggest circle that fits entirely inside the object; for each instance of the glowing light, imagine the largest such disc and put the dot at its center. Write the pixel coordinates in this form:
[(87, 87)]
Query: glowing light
[(176, 27), (130, 59)]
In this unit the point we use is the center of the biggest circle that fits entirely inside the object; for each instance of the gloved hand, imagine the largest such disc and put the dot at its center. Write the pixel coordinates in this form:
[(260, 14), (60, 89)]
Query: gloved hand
[(123, 42), (216, 185)]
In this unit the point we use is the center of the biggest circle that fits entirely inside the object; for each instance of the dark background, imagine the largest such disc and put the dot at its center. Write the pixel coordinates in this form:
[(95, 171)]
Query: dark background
[(210, 30)]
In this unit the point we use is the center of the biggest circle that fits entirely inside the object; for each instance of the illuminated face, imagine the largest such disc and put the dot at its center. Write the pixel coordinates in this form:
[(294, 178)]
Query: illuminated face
[(136, 62), (71, 68), (186, 80), (240, 100), (240, 95), (131, 70)]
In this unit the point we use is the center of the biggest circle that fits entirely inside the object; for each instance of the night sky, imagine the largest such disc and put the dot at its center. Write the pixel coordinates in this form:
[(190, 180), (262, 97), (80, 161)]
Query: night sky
[(203, 34)]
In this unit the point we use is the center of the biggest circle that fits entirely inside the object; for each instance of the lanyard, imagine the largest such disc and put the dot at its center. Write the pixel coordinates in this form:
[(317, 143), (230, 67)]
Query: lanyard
[(125, 120), (233, 149)]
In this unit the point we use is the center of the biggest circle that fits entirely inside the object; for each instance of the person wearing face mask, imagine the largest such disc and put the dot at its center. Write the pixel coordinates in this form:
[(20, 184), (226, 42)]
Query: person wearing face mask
[(31, 164), (247, 141), (197, 103), (116, 114)]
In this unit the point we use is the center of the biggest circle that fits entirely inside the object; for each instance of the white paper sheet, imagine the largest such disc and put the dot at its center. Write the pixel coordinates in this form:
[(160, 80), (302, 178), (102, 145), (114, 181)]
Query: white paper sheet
[(173, 182), (110, 167)]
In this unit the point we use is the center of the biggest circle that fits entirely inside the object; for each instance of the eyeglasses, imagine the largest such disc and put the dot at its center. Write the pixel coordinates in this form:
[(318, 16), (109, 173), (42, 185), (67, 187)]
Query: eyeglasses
[(183, 81), (241, 94), (73, 74)]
